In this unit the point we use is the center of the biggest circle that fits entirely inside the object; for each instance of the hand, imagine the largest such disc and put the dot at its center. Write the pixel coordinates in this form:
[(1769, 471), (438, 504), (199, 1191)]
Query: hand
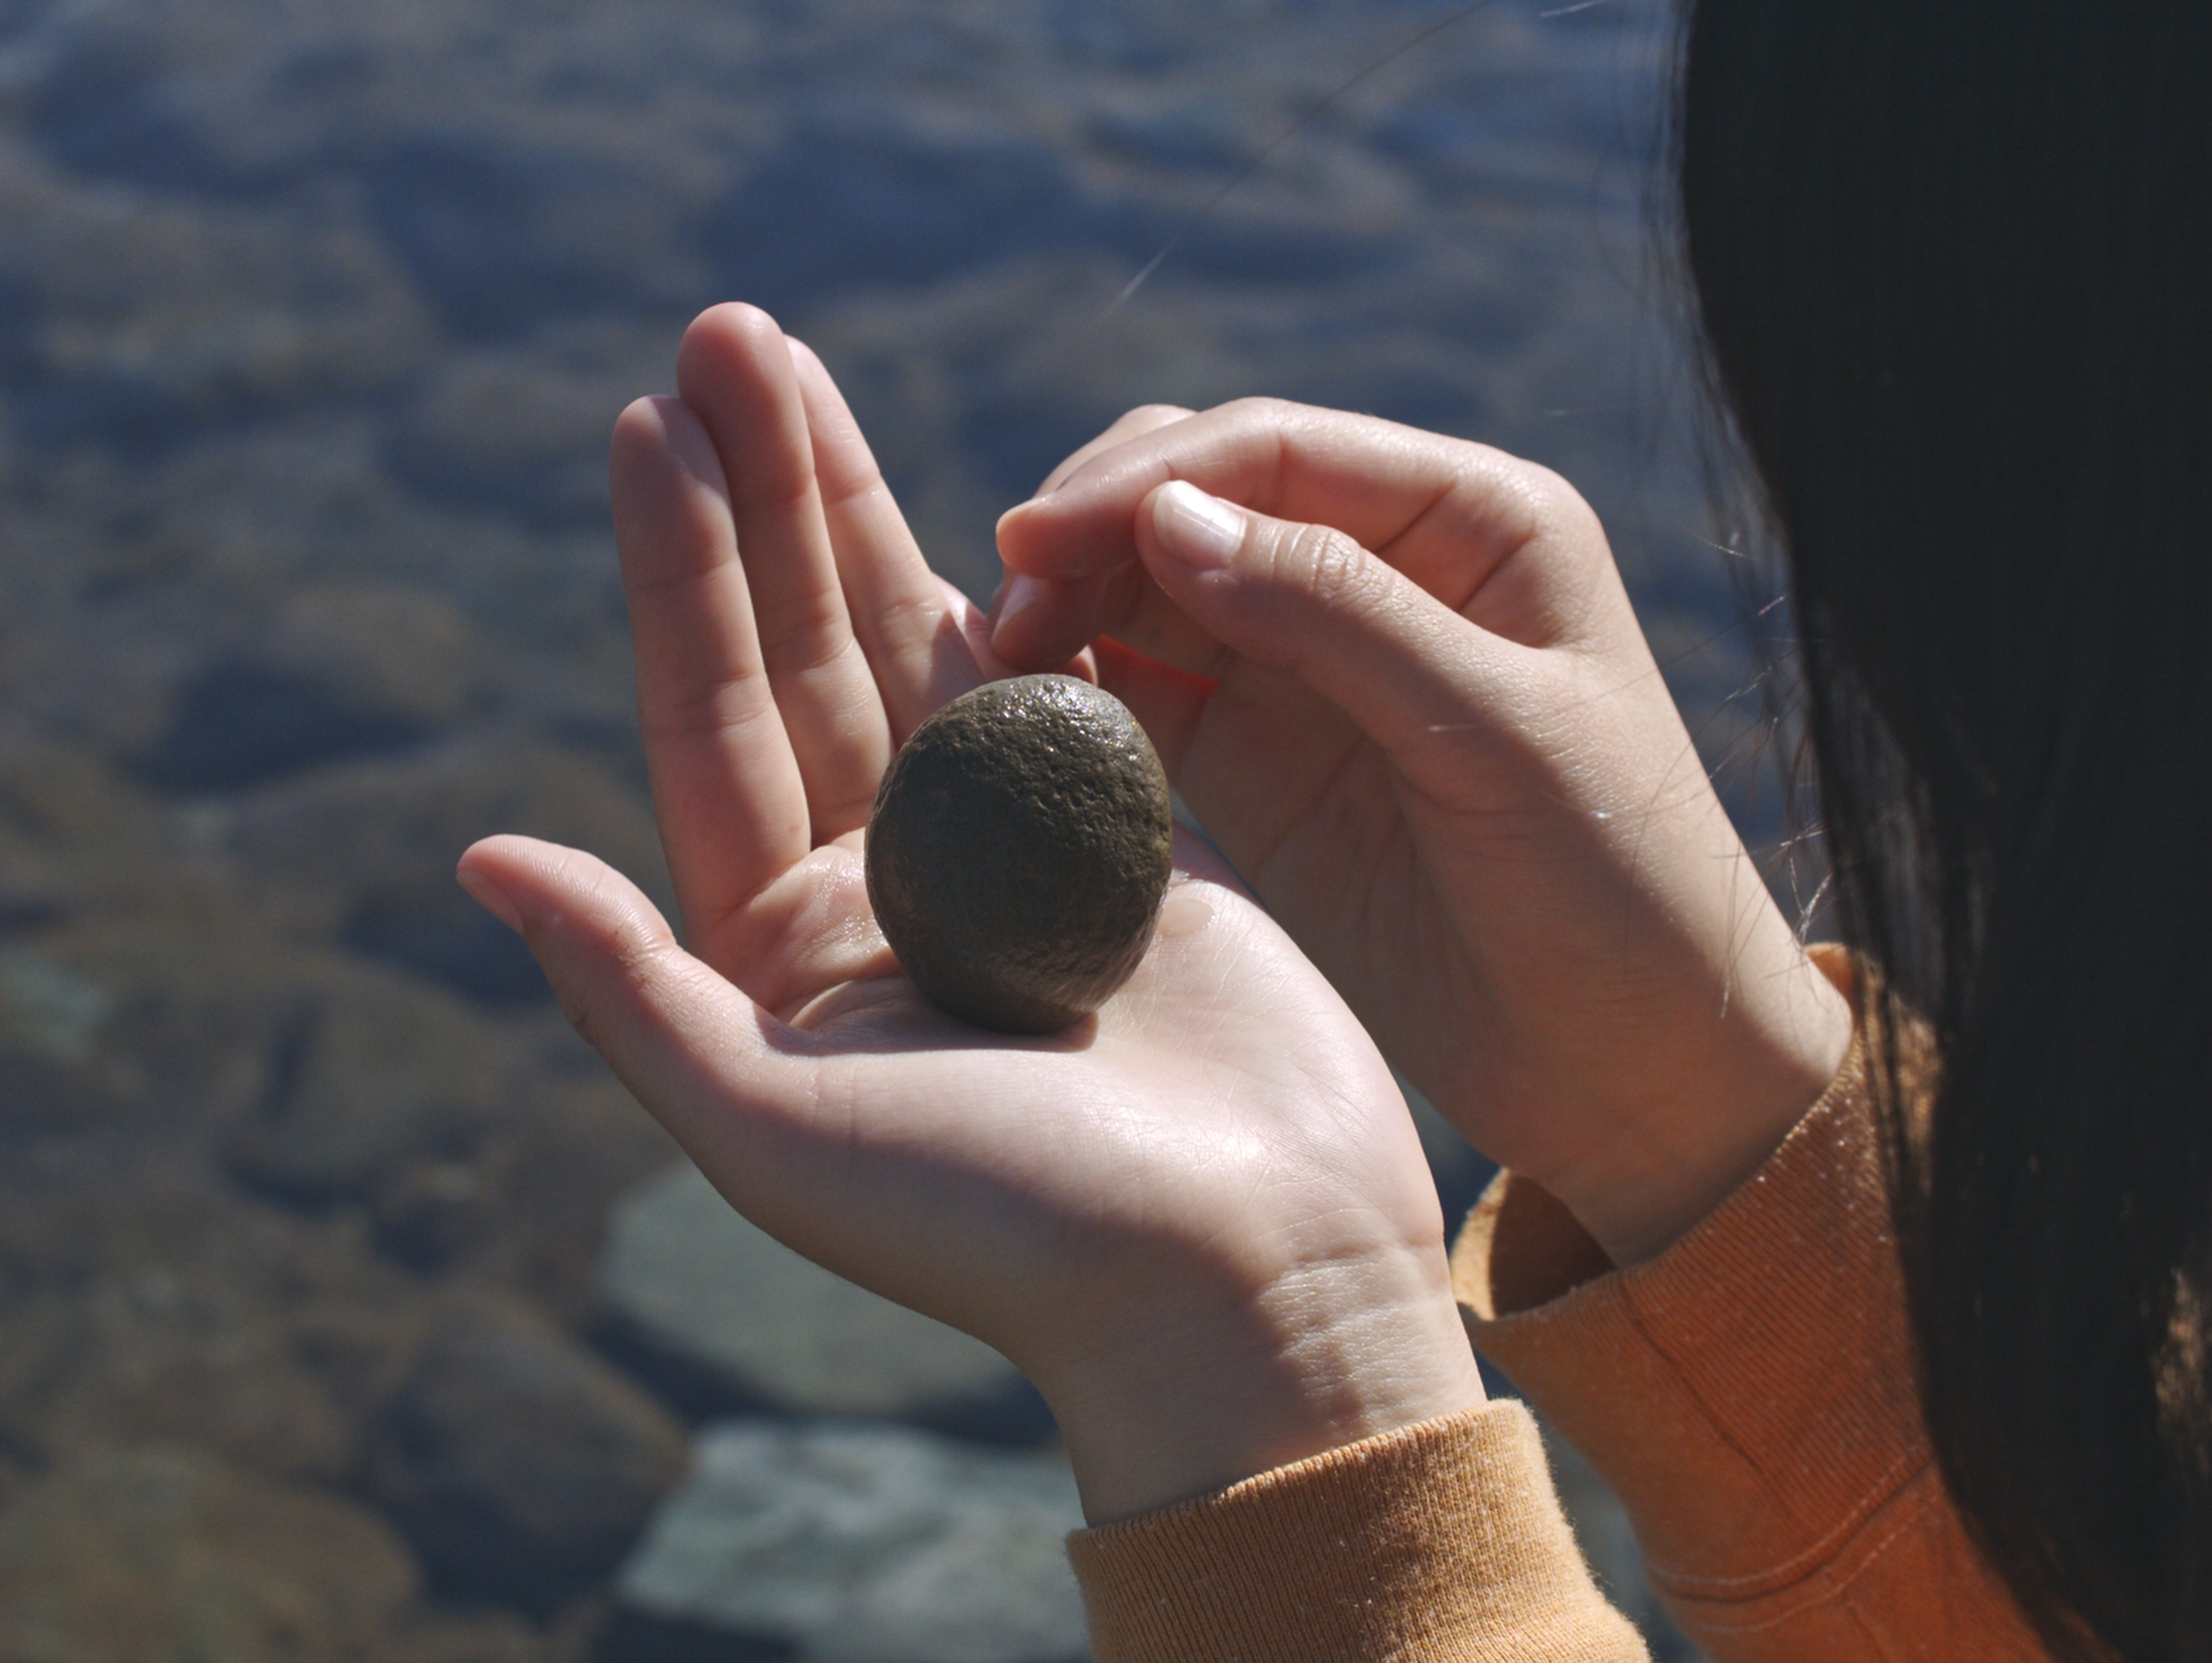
[(1201, 1221), (1397, 678)]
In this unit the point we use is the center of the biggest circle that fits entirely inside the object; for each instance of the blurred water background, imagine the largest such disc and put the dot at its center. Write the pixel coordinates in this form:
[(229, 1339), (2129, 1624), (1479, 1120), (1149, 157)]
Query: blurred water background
[(347, 1309)]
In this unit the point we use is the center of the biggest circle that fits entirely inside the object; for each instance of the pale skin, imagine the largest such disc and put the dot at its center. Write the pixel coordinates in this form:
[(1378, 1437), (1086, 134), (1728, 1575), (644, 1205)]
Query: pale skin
[(1411, 705)]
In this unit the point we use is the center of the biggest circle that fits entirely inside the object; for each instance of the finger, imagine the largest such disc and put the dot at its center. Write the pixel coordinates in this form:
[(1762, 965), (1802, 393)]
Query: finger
[(1037, 622), (1131, 424), (1309, 602), (735, 372), (1063, 609), (1370, 477), (1037, 616), (725, 785), (713, 1067), (897, 606), (1446, 513)]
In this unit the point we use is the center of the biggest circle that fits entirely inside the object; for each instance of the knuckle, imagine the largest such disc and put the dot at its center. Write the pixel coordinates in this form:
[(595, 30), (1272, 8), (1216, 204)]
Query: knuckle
[(1263, 410), (1329, 567), (635, 977), (1553, 503)]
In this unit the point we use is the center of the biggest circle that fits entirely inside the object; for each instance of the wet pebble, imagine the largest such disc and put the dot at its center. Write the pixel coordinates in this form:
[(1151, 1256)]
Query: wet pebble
[(522, 1465)]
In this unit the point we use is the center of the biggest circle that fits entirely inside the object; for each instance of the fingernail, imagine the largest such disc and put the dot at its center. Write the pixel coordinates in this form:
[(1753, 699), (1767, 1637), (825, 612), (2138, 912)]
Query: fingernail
[(1019, 593), (493, 898), (1203, 531)]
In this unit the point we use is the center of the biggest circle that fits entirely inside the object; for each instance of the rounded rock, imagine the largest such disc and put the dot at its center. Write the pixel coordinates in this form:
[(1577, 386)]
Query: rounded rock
[(1020, 845)]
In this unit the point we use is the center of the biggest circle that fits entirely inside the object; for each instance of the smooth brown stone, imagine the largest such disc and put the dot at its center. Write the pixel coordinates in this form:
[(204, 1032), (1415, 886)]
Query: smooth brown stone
[(1019, 847)]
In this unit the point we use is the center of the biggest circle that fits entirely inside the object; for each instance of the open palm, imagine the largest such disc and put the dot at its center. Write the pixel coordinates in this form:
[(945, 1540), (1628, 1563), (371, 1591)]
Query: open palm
[(1200, 1220)]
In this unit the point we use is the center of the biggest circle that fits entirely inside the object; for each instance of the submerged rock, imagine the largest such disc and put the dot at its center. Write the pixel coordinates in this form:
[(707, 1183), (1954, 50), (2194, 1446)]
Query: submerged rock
[(369, 847), (522, 1465), (691, 1278), (378, 1071), (867, 1545), (527, 1208), (1020, 844), (155, 1356), (167, 1553)]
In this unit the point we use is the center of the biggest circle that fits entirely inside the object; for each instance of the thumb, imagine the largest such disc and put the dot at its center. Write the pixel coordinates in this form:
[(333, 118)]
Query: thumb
[(691, 1047), (1310, 601)]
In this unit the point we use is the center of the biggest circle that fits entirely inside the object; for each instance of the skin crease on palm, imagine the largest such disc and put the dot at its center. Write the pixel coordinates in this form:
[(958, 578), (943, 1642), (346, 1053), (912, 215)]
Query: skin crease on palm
[(1201, 1221)]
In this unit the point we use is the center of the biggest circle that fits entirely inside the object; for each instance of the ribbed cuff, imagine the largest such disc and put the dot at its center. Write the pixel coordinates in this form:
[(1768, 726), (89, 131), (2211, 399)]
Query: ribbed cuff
[(1764, 1351), (1749, 1395), (1439, 1541)]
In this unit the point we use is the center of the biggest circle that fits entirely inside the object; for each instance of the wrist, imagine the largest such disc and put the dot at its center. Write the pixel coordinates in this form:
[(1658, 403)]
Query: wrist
[(1716, 1116), (1212, 1391)]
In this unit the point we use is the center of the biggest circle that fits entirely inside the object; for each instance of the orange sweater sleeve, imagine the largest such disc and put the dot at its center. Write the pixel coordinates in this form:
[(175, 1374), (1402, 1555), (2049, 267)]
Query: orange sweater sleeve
[(1749, 1395), (1440, 1543)]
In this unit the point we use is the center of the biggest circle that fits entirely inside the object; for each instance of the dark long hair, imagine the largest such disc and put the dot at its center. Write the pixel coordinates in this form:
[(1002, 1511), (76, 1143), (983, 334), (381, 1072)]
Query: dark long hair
[(1953, 263)]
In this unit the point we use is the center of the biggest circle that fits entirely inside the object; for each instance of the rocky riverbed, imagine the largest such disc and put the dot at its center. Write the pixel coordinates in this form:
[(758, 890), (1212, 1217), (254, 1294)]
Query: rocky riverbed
[(348, 1310)]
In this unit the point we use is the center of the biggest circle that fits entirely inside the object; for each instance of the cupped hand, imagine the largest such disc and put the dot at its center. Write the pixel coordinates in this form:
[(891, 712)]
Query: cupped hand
[(1201, 1221), (1398, 679)]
